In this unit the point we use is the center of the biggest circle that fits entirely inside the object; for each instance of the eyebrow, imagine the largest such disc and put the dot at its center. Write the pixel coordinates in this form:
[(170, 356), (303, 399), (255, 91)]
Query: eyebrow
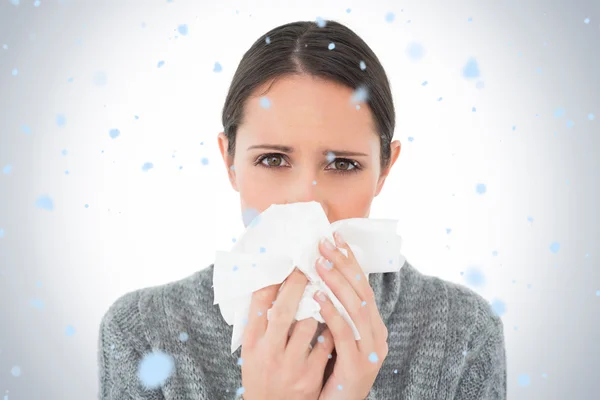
[(287, 149)]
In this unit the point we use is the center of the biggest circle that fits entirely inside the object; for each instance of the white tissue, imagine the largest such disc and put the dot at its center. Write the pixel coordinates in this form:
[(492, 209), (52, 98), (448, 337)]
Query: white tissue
[(287, 236)]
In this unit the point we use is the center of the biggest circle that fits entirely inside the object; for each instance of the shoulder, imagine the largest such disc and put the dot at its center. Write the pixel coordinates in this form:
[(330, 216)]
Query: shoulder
[(139, 313), (473, 329), (466, 312), (470, 308)]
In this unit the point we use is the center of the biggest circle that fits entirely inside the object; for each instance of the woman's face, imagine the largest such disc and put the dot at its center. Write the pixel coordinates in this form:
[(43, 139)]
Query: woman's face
[(310, 144)]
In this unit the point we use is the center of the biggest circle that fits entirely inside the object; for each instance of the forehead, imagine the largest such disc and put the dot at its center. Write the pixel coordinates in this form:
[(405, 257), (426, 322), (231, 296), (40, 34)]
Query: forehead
[(305, 109)]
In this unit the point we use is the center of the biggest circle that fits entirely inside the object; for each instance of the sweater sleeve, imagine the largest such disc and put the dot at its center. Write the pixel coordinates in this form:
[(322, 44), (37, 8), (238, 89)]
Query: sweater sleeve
[(118, 358), (485, 375)]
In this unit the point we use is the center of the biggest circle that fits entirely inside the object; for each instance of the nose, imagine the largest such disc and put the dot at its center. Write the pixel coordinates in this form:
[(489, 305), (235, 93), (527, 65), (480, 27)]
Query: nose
[(305, 189), (302, 189)]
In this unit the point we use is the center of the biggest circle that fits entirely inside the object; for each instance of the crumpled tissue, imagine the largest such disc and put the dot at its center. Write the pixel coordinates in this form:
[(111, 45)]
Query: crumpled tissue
[(285, 236)]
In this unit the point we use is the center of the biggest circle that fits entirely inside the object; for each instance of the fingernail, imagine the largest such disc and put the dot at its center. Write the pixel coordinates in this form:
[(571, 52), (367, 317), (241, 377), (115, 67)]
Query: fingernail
[(321, 296), (325, 263), (328, 244), (339, 238)]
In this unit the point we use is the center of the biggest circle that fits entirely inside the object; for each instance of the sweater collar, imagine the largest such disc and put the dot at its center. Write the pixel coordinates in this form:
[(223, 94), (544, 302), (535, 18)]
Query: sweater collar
[(387, 288)]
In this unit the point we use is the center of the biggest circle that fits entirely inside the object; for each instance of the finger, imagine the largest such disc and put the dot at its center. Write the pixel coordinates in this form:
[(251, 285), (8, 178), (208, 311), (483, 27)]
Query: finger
[(321, 352), (347, 296), (352, 270), (355, 275), (260, 303), (298, 346), (361, 286), (285, 308), (340, 330)]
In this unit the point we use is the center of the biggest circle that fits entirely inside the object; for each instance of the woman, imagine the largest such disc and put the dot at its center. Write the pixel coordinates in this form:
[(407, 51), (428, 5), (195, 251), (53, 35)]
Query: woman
[(295, 130)]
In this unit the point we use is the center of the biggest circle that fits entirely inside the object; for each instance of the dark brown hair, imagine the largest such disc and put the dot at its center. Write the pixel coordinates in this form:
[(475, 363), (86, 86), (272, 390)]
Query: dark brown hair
[(301, 48)]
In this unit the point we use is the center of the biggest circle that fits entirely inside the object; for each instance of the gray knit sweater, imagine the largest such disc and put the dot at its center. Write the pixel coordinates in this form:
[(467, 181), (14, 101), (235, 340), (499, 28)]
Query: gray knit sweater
[(445, 342)]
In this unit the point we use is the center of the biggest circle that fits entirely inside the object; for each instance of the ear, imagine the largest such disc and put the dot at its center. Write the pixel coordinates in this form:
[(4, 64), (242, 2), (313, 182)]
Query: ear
[(395, 147), (227, 160)]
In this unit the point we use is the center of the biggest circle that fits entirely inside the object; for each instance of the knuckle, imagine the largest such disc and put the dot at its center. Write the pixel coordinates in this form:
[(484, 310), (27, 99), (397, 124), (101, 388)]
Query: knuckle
[(281, 325), (292, 377), (305, 388), (269, 356), (305, 328), (281, 312), (345, 331), (271, 364), (264, 295)]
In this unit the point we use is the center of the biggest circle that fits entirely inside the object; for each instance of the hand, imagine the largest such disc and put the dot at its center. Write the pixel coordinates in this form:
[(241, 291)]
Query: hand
[(274, 367), (358, 362)]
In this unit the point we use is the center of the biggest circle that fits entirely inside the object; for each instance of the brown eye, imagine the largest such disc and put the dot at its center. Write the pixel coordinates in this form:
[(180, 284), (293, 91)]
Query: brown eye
[(345, 165), (272, 161), (342, 164)]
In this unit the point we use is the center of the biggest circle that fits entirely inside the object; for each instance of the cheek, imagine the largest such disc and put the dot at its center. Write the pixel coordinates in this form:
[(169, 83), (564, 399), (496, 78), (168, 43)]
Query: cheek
[(258, 190)]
